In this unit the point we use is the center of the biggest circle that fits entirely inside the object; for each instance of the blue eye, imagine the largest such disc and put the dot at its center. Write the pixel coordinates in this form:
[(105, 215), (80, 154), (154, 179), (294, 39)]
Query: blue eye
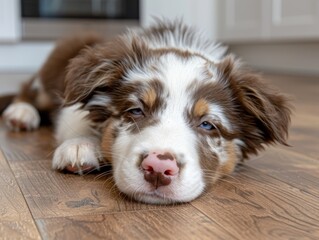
[(136, 112), (207, 126)]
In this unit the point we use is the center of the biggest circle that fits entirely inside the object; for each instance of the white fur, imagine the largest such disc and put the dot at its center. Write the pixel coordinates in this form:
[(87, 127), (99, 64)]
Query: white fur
[(173, 135), (217, 113), (72, 123), (78, 144), (23, 114), (99, 100), (77, 152)]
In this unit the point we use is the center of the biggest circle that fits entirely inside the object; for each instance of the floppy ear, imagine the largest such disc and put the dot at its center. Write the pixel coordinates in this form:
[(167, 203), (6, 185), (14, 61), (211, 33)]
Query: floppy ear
[(263, 113), (96, 72), (93, 68)]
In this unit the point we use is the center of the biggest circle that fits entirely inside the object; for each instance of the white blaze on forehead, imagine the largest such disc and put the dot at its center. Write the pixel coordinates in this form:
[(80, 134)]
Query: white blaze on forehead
[(187, 68), (180, 72), (177, 75)]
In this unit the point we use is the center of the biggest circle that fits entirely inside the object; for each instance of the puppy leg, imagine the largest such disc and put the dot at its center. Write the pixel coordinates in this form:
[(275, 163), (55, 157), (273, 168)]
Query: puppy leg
[(21, 114), (79, 148)]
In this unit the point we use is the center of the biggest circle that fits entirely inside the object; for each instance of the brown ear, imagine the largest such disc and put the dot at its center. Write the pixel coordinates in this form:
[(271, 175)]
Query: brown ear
[(264, 113), (99, 66), (97, 72), (93, 68)]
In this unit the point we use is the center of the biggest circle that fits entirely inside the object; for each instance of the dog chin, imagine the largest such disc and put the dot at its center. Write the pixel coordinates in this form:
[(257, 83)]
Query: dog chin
[(173, 194)]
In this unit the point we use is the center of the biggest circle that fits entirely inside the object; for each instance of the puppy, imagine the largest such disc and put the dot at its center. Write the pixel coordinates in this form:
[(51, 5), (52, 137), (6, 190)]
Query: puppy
[(169, 109)]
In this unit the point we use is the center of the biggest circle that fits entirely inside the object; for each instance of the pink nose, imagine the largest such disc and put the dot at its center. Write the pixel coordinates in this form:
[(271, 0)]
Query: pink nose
[(159, 167)]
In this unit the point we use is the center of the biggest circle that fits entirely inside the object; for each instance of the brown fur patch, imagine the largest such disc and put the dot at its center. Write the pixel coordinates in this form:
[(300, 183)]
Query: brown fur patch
[(5, 101), (107, 141), (229, 166), (43, 101), (201, 108), (149, 97), (165, 156), (53, 72)]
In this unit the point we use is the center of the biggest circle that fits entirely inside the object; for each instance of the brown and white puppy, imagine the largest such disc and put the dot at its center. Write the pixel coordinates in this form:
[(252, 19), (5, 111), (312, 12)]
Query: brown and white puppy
[(167, 107)]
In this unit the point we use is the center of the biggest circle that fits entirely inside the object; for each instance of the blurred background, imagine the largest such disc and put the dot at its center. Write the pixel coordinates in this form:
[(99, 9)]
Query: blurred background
[(277, 36)]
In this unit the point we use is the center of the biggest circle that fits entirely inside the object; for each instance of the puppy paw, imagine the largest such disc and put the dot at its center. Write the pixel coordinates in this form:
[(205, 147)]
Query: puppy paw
[(77, 155), (21, 116)]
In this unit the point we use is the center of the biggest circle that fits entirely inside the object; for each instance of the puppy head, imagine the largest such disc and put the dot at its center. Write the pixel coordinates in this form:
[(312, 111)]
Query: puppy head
[(173, 122)]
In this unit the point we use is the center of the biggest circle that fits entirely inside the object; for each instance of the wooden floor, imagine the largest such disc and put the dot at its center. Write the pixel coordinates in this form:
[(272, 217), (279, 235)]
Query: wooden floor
[(273, 196)]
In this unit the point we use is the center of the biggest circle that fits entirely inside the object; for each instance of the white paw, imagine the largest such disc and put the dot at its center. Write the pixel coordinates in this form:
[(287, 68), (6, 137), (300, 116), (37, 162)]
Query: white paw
[(21, 116), (77, 155)]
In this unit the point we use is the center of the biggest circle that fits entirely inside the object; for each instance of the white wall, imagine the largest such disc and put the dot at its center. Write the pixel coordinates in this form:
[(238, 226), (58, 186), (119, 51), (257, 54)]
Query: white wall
[(281, 57), (200, 13), (10, 24), (280, 36), (24, 56)]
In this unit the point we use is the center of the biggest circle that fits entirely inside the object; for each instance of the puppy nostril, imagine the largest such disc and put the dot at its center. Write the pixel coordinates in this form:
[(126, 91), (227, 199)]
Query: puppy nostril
[(168, 173), (148, 169)]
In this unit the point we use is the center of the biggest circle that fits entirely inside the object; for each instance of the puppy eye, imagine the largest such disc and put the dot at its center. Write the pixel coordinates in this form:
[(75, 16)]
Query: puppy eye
[(207, 126), (136, 112)]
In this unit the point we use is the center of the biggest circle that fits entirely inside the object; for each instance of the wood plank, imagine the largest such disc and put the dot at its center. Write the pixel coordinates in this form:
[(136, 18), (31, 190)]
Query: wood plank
[(179, 222), (290, 167), (304, 134), (253, 205), (52, 194), (20, 146), (16, 221)]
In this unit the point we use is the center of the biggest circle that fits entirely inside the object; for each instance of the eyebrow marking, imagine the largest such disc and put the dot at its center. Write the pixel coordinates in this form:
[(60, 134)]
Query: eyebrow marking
[(201, 108), (149, 97)]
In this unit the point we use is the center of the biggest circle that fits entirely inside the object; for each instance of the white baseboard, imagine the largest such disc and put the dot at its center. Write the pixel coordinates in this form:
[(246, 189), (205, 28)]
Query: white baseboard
[(293, 58)]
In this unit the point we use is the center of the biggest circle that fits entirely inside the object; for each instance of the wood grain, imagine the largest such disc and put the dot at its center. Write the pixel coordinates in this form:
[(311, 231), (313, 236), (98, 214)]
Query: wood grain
[(52, 194), (179, 222), (16, 221), (257, 206), (291, 167), (304, 134), (20, 146)]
